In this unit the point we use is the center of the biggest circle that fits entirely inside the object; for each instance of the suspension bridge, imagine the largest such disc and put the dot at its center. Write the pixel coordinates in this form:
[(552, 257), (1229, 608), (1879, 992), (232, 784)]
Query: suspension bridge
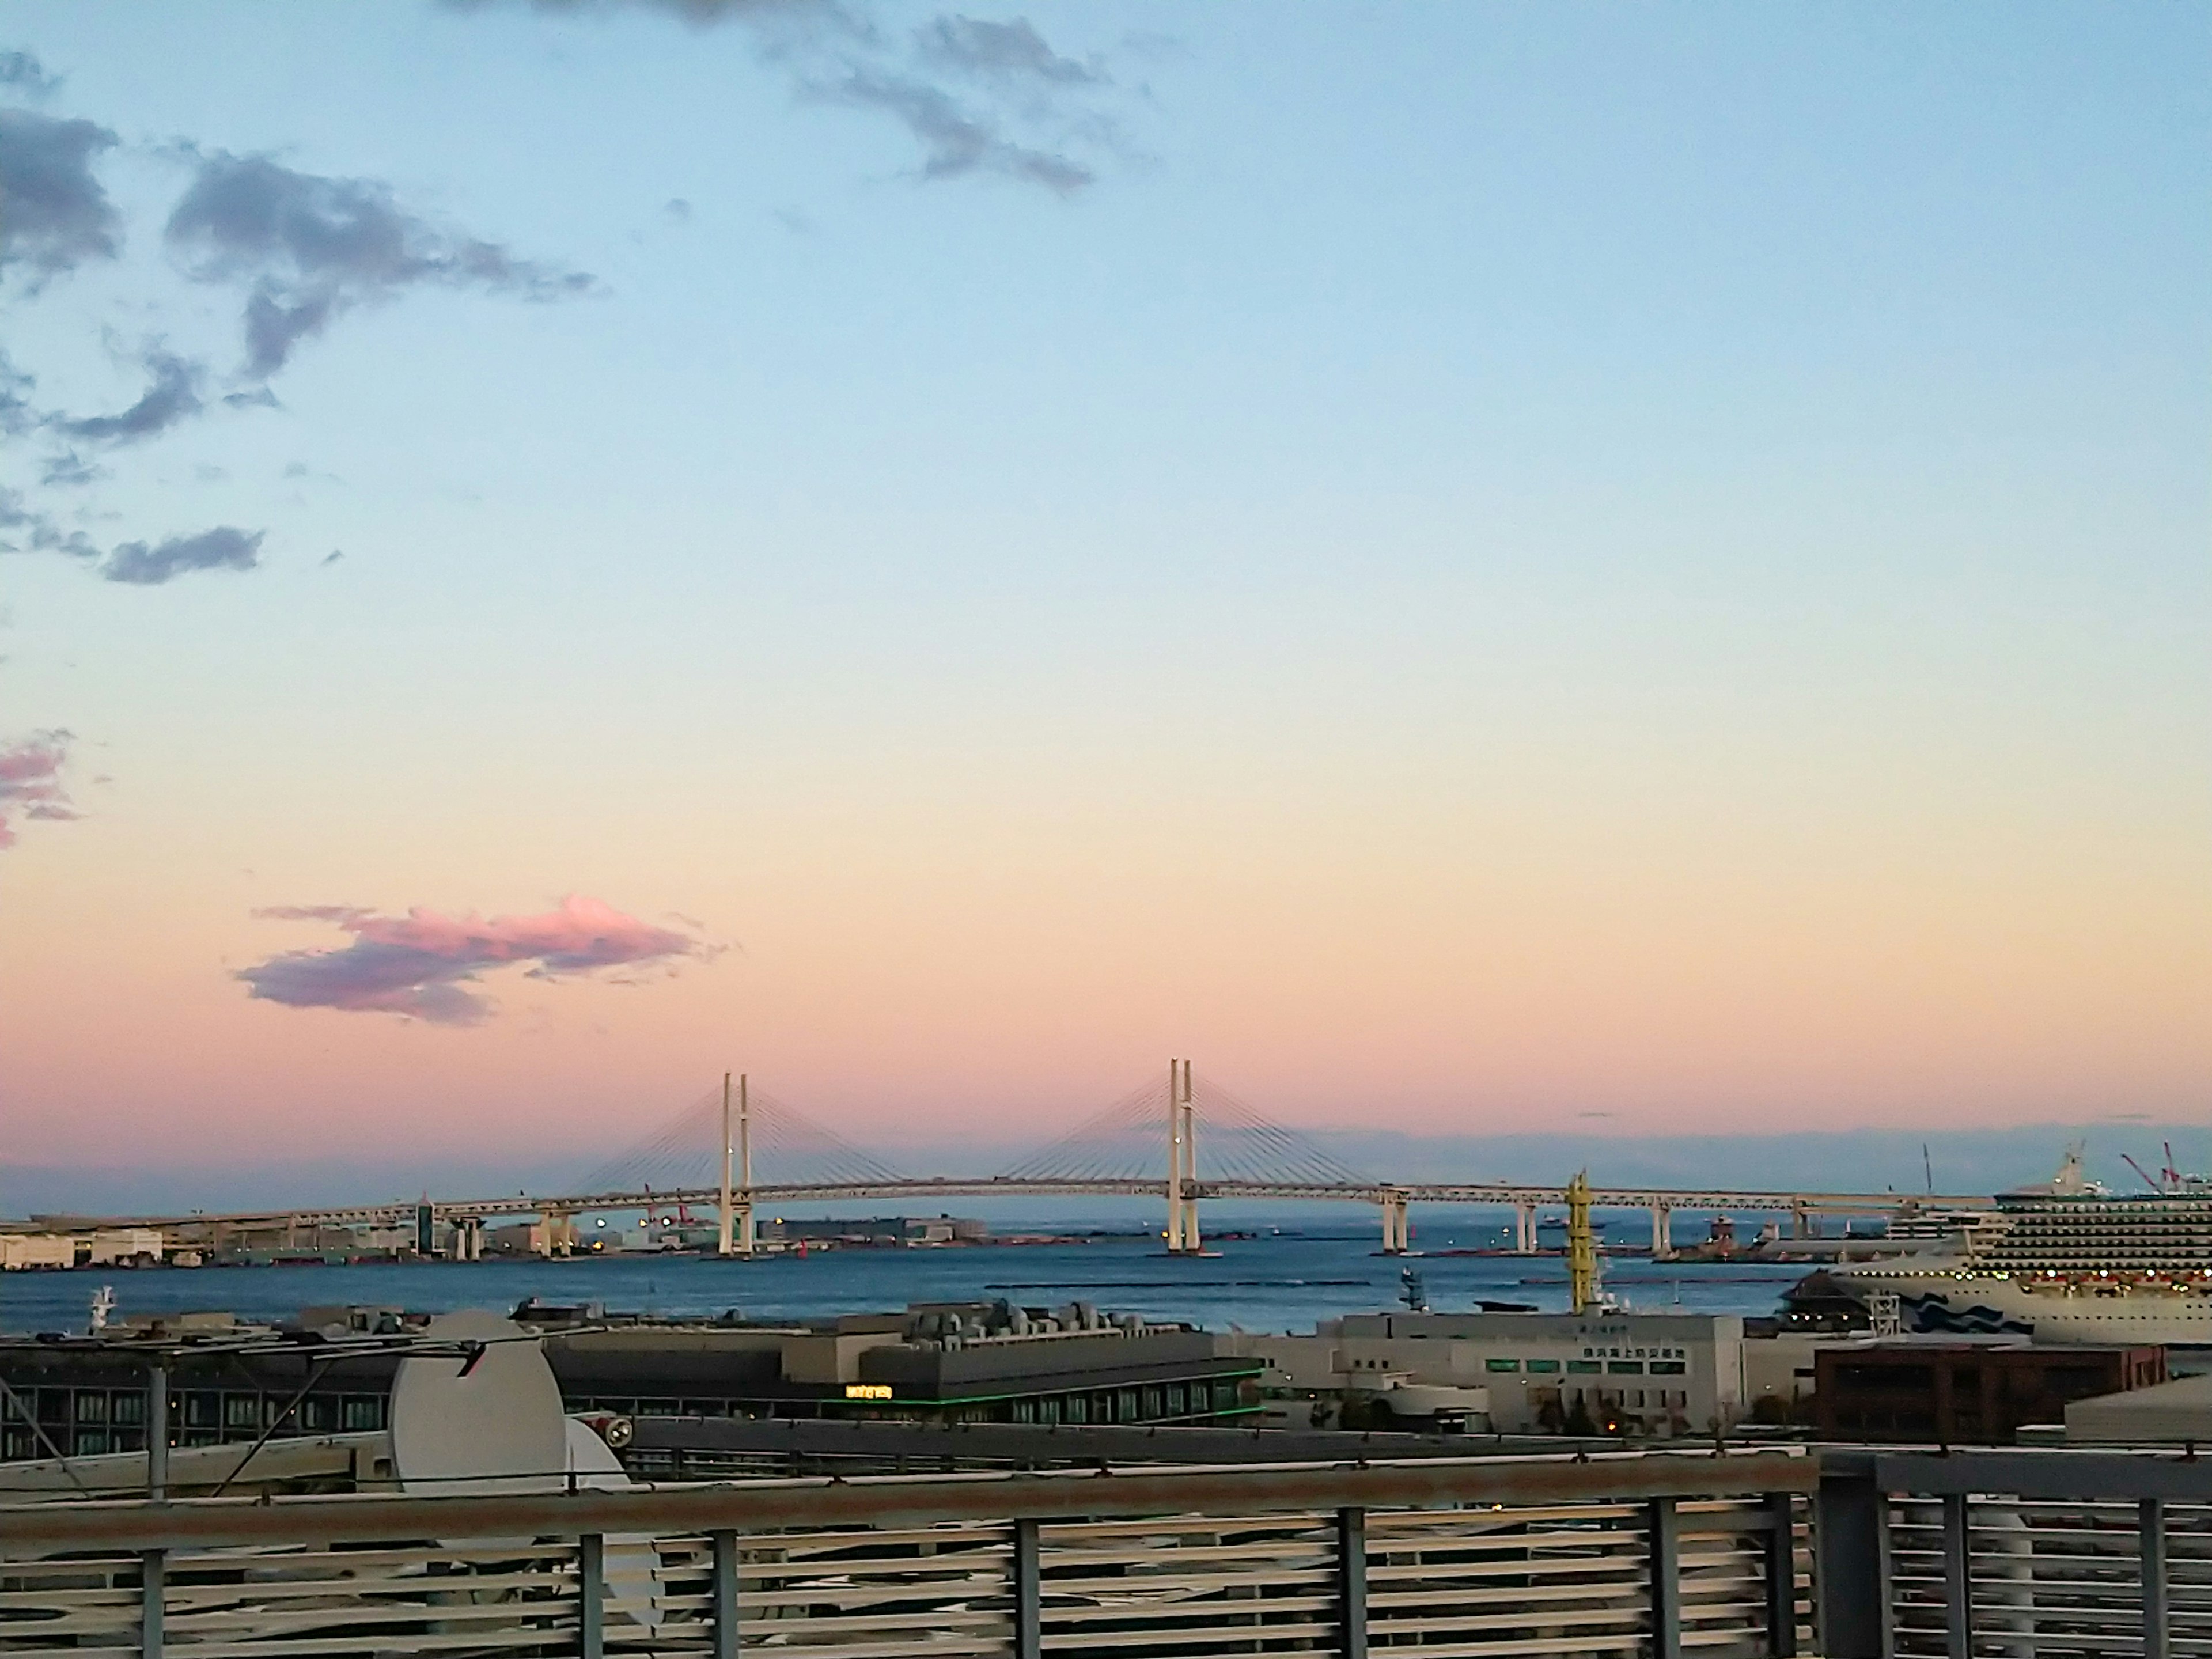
[(1179, 1138)]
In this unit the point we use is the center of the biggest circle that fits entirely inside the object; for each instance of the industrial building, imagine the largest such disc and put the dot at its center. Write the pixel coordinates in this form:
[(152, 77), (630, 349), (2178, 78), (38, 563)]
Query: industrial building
[(1602, 1372), (967, 1362), (1958, 1391)]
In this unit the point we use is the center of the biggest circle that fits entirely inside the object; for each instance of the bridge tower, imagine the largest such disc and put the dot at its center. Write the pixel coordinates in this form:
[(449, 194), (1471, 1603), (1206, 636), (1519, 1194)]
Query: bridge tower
[(1183, 1164), (736, 1199)]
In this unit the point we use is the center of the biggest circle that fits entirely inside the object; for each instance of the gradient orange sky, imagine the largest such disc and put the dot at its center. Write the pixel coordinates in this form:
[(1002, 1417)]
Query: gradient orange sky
[(1637, 569)]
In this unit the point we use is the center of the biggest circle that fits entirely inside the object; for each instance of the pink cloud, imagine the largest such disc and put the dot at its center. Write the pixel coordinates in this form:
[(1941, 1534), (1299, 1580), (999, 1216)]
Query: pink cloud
[(417, 965), (31, 782)]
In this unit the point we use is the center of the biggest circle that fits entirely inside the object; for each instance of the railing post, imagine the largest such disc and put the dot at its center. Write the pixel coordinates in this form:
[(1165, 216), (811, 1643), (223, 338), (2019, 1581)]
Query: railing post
[(1850, 1538), (1028, 1591), (1665, 1534), (592, 1596), (1782, 1575), (153, 1595), (1957, 1579), (1352, 1582), (726, 1595), (2152, 1525), (157, 1432)]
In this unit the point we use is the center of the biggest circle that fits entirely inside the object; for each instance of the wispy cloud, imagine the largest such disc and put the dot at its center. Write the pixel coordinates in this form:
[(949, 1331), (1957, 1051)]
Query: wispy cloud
[(30, 781), (300, 250), (309, 248), (223, 547), (172, 395), (20, 72), (978, 98), (420, 965)]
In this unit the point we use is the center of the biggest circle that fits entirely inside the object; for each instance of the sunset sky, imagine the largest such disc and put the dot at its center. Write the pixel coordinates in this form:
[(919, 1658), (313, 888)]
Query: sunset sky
[(1479, 570)]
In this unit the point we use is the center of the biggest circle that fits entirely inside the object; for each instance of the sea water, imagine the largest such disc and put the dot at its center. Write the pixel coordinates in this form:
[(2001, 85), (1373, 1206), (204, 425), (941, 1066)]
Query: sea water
[(1271, 1281)]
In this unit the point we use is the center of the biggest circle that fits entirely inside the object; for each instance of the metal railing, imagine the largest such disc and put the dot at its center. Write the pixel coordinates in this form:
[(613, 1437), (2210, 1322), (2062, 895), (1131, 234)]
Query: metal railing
[(2036, 1554), (1656, 1554)]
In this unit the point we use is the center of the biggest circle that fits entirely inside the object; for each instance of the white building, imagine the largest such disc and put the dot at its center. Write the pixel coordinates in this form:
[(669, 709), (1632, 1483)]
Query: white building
[(24, 1250), (1651, 1375), (124, 1246)]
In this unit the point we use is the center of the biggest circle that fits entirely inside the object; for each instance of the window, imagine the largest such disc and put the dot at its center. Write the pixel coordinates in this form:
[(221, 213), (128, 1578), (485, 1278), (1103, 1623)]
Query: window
[(1543, 1364), (1079, 1408), (242, 1411), (1177, 1401), (1667, 1368), (1624, 1367), (362, 1412), (1501, 1365), (1152, 1404), (91, 1443), (318, 1413), (1585, 1366), (91, 1405), (130, 1406), (1048, 1411)]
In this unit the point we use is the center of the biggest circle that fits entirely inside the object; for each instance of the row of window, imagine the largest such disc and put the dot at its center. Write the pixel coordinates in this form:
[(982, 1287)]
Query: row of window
[(1593, 1367), (88, 1422), (1150, 1403)]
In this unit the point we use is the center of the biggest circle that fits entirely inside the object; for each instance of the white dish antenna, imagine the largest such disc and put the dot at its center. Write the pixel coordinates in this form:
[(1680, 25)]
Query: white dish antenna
[(486, 1422)]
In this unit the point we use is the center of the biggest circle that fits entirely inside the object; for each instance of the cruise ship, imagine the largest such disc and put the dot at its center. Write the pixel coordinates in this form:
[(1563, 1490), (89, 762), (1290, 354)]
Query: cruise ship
[(2064, 1262)]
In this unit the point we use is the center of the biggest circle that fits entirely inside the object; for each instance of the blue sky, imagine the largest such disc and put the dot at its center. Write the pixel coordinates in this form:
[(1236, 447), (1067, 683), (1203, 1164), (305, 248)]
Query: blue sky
[(1646, 562)]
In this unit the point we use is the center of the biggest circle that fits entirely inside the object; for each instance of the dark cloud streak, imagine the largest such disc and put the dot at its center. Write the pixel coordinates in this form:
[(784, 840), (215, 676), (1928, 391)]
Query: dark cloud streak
[(311, 249), (172, 395), (223, 547), (833, 55)]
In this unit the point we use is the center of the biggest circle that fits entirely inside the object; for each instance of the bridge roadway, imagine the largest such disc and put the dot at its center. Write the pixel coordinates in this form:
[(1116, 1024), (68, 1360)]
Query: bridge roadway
[(1393, 1197)]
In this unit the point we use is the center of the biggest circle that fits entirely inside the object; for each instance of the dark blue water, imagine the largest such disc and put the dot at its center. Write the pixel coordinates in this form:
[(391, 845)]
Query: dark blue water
[(1270, 1283)]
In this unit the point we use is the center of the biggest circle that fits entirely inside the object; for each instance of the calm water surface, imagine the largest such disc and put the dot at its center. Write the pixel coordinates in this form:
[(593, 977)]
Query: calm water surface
[(1271, 1283)]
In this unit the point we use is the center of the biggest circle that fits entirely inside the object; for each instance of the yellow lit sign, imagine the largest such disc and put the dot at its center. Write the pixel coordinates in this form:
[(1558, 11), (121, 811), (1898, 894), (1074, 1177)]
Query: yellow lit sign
[(867, 1391)]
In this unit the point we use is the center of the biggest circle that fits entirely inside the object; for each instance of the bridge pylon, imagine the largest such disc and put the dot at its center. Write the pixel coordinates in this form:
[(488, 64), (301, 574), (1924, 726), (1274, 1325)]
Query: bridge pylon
[(736, 1235), (1183, 1164)]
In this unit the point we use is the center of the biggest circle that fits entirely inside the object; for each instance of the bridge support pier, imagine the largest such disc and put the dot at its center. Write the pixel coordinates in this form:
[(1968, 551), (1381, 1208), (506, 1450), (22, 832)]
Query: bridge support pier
[(1663, 1233), (1801, 1222), (1397, 1223), (1524, 1229)]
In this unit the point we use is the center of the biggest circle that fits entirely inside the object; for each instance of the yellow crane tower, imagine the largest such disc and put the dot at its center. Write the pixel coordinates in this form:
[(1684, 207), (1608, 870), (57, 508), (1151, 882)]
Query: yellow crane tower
[(1582, 1245)]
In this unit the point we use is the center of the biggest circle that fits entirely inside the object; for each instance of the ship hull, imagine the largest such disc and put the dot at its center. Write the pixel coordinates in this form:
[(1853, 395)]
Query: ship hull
[(1968, 1304)]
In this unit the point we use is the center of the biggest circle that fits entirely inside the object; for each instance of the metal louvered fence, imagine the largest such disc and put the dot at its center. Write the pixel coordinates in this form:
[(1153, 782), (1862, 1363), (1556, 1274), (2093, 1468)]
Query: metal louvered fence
[(1610, 1555), (1853, 1554)]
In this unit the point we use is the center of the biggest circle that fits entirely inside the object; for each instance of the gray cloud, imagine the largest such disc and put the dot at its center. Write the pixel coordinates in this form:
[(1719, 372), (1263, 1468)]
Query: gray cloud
[(954, 140), (22, 73), (56, 214), (836, 56), (15, 415), (223, 547), (172, 395), (69, 469), (313, 247), (1011, 51)]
